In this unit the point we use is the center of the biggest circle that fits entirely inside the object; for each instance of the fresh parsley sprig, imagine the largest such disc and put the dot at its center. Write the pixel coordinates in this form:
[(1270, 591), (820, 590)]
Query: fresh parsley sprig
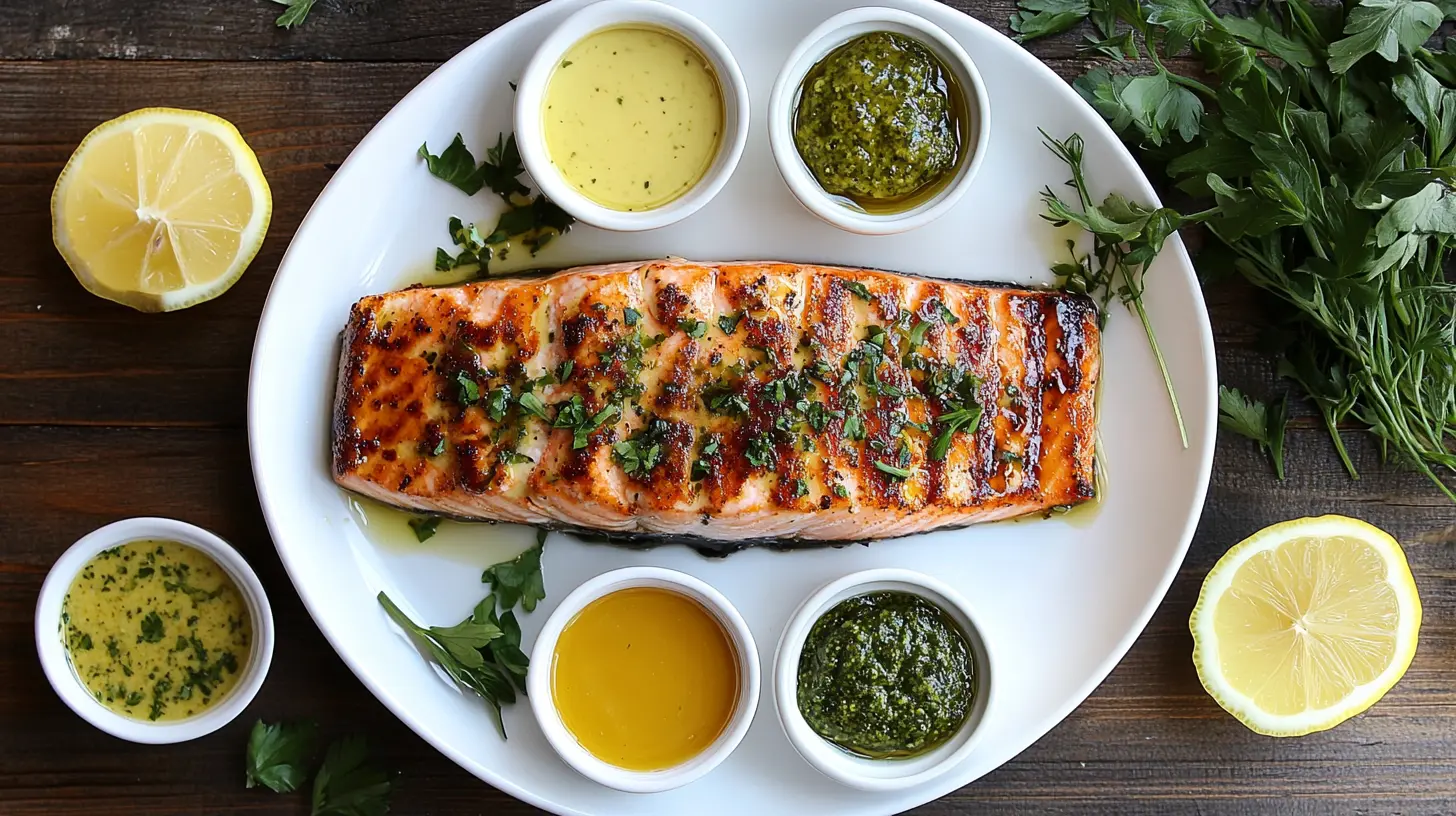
[(519, 581), (483, 652), (1261, 422), (1126, 237)]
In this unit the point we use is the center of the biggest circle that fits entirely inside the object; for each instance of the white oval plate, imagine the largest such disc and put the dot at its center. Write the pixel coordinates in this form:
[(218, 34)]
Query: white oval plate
[(1063, 599)]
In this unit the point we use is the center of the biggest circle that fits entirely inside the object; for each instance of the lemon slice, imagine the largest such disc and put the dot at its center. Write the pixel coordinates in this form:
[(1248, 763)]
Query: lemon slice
[(160, 209), (1306, 624)]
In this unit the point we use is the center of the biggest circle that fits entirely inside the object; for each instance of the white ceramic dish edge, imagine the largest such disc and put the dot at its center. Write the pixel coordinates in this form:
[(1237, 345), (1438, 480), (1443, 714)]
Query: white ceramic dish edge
[(1175, 259), (860, 772), (831, 34), (531, 92), (539, 682), (57, 665)]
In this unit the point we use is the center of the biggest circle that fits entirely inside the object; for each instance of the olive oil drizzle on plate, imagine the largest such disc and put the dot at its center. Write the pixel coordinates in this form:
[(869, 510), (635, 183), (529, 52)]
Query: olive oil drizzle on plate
[(156, 630)]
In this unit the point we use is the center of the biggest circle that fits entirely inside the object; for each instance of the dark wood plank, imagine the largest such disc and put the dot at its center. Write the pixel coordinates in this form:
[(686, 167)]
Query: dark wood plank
[(374, 30)]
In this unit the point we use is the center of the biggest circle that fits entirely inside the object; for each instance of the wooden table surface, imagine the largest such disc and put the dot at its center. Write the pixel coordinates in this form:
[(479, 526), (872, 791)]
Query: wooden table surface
[(106, 413)]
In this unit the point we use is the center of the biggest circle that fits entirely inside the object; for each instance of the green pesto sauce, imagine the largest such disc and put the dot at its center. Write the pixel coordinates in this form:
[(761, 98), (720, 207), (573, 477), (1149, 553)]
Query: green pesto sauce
[(886, 674), (878, 121)]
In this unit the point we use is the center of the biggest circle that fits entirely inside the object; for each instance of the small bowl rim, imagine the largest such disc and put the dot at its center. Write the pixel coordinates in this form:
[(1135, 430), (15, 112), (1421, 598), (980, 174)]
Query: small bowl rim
[(861, 772), (832, 33), (531, 90), (538, 681), (50, 646)]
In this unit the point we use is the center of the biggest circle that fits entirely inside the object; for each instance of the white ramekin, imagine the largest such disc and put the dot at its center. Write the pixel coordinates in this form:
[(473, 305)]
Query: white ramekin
[(831, 34), (531, 91), (833, 761), (538, 681), (50, 633)]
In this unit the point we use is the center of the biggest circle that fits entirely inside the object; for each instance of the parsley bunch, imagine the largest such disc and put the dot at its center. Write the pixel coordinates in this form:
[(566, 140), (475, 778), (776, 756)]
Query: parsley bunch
[(1322, 140)]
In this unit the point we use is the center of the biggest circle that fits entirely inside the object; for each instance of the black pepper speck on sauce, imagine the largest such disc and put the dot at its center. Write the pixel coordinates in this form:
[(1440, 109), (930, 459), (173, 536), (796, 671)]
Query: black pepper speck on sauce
[(886, 675)]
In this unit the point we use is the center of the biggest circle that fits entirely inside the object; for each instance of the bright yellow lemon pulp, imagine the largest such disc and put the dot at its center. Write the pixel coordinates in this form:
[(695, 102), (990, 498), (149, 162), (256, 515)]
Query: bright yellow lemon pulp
[(161, 209), (1306, 624)]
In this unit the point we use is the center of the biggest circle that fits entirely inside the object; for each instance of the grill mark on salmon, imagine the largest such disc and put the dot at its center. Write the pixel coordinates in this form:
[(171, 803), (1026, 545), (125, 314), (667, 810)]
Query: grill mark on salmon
[(812, 422)]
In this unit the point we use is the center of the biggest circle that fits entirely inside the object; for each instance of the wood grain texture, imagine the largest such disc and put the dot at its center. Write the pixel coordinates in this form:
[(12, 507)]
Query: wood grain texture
[(357, 30), (105, 413)]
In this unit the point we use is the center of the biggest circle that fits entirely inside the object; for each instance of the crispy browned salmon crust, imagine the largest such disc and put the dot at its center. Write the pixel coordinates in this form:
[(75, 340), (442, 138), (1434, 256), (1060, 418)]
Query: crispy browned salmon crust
[(729, 402)]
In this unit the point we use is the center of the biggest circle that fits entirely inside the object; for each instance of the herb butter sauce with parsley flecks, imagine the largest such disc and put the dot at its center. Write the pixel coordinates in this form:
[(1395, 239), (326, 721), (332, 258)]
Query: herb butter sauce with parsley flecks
[(156, 630), (886, 675), (633, 117), (880, 122)]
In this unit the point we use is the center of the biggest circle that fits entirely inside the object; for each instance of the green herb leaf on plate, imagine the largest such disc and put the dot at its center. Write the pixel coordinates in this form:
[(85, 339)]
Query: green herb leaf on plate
[(465, 639), (502, 168), (464, 653), (424, 527), (456, 165), (518, 581), (1127, 237)]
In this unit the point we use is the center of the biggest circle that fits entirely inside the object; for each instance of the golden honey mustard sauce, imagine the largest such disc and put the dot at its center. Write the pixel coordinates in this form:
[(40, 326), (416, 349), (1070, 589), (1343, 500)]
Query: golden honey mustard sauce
[(645, 678), (156, 630), (633, 117)]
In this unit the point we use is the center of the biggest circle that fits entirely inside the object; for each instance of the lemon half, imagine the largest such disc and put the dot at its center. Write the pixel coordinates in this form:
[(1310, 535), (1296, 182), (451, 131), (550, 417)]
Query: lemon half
[(1306, 624), (161, 209)]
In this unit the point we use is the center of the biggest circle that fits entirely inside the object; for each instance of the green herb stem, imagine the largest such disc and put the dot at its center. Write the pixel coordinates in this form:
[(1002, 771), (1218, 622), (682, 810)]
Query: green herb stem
[(1142, 313)]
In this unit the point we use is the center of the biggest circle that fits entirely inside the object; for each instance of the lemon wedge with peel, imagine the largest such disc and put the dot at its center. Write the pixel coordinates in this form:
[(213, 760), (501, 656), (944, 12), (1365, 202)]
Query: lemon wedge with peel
[(161, 209), (1306, 624)]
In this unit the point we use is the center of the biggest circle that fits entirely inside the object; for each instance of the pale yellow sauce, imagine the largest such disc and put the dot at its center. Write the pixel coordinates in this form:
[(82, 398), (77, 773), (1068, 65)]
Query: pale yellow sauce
[(645, 678), (633, 117), (156, 630)]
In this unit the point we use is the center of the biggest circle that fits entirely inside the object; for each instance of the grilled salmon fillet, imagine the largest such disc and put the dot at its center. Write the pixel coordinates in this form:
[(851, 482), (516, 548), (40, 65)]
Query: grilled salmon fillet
[(727, 403)]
